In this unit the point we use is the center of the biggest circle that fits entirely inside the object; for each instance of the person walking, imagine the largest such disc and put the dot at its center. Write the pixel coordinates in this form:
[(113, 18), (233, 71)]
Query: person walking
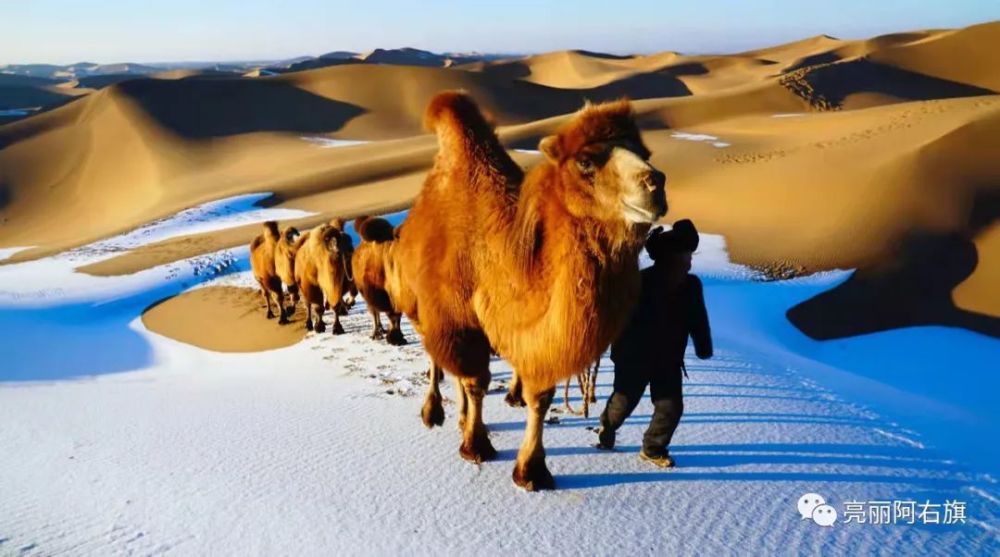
[(650, 351)]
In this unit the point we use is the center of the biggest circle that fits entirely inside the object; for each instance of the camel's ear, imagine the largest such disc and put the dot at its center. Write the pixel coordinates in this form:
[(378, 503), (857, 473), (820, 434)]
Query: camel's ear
[(550, 147)]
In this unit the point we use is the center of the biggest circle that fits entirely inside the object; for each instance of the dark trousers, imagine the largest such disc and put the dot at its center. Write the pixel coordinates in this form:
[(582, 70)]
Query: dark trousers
[(665, 388)]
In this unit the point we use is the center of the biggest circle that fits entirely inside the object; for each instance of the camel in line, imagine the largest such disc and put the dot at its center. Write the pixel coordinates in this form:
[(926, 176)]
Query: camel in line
[(322, 267), (370, 262), (262, 255), (543, 266), (284, 265)]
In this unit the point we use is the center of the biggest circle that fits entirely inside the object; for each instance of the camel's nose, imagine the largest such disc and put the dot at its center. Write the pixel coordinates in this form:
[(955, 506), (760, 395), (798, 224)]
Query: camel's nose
[(655, 180)]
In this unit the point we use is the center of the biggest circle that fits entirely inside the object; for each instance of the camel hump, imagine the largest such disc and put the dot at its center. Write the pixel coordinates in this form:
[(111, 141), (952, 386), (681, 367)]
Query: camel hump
[(256, 242), (375, 230), (454, 108), (465, 135), (271, 229)]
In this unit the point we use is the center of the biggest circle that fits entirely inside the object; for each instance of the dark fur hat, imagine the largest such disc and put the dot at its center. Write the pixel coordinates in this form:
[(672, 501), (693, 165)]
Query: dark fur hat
[(682, 237)]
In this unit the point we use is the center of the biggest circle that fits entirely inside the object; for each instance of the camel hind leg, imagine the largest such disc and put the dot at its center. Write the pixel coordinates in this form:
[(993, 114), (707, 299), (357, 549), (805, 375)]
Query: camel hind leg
[(476, 446), (267, 300), (462, 403), (432, 413), (337, 329), (465, 352), (319, 326), (530, 471), (395, 335), (279, 300), (377, 331), (514, 398)]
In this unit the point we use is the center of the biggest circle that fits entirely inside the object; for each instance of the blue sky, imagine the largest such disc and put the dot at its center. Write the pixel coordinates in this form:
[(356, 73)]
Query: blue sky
[(62, 31)]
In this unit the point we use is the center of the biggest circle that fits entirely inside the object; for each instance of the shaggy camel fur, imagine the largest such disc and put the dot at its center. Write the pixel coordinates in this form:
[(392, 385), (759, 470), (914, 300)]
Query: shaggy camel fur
[(370, 262), (262, 252), (322, 262), (543, 267), (284, 265)]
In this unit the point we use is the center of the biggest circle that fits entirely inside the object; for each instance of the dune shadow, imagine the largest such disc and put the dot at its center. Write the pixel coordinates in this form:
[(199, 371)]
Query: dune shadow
[(592, 480), (912, 289), (813, 60), (74, 340), (696, 418), (835, 82), (81, 339), (655, 85), (205, 107)]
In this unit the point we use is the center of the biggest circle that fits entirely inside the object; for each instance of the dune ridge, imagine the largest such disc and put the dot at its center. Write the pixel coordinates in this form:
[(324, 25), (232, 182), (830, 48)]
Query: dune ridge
[(818, 154)]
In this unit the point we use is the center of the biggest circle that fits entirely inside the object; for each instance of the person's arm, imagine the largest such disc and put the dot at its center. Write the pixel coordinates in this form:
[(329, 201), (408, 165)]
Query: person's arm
[(701, 333)]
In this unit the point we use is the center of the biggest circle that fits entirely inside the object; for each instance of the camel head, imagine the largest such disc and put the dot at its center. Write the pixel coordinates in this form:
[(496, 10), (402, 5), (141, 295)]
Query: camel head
[(604, 166), (341, 246), (290, 234)]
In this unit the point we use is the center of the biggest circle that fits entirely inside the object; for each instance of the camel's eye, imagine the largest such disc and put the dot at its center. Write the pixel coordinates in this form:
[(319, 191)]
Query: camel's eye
[(585, 165)]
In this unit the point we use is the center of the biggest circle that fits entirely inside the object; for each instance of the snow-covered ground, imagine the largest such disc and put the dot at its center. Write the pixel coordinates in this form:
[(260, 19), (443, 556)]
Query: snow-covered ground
[(329, 142), (702, 137), (117, 440)]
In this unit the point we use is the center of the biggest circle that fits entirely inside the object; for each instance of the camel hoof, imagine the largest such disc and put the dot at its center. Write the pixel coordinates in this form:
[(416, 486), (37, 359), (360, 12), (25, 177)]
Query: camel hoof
[(320, 326), (432, 413), (338, 329), (309, 325), (283, 320), (396, 338), (478, 451), (376, 336), (270, 314), (534, 476), (514, 399)]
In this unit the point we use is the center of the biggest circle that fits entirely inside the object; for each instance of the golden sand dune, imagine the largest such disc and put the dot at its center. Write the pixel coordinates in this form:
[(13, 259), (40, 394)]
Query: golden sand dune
[(817, 154), (233, 309)]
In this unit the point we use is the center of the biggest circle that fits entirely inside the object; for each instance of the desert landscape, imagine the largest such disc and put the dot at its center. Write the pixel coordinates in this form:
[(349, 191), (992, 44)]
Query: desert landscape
[(848, 192)]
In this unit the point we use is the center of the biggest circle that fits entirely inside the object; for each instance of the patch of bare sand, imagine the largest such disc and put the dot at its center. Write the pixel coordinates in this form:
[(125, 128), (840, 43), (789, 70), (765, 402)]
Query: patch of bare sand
[(223, 319)]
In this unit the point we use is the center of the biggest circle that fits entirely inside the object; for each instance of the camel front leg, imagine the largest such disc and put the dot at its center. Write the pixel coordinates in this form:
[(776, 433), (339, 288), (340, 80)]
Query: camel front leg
[(530, 471), (476, 446), (433, 411)]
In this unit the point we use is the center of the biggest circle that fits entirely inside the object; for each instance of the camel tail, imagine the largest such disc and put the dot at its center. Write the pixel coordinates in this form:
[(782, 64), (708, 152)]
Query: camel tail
[(465, 133)]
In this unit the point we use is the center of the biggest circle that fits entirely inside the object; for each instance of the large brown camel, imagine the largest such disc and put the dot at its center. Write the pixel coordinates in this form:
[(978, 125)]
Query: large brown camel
[(284, 265), (322, 262), (262, 251), (543, 266), (370, 261)]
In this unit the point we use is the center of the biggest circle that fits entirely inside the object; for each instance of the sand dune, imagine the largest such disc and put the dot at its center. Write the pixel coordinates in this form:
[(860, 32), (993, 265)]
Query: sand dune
[(233, 309), (818, 154)]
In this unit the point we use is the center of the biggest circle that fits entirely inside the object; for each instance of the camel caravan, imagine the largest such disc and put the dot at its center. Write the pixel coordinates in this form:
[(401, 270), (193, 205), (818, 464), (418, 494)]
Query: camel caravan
[(540, 266)]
